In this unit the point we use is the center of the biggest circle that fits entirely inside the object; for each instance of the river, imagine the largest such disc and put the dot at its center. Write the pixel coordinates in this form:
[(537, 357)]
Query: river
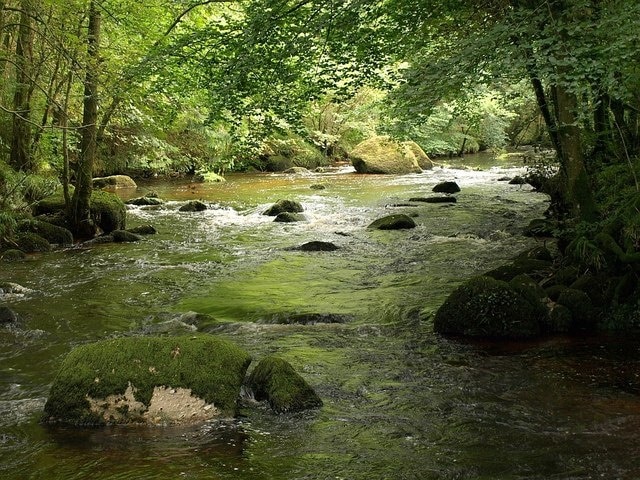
[(399, 401)]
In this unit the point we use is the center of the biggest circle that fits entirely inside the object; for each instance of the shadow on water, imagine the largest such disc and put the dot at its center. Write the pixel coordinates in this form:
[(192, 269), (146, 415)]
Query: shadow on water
[(399, 401)]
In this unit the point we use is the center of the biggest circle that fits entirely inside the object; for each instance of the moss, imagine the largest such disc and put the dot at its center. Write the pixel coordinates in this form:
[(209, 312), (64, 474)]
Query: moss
[(275, 380), (486, 307), (52, 233), (384, 155), (211, 367), (12, 255)]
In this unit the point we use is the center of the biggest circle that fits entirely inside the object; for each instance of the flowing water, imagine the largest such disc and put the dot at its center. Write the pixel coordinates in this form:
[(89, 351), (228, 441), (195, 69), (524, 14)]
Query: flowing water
[(399, 401)]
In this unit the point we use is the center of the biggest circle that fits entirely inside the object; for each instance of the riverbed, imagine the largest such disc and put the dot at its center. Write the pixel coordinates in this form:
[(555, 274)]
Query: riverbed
[(399, 401)]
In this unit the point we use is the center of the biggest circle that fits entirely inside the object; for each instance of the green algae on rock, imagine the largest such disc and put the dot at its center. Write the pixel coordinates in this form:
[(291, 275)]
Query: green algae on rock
[(393, 222), (148, 380), (275, 380)]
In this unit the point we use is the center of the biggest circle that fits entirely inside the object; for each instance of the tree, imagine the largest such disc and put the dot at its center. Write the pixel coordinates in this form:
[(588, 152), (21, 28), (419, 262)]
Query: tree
[(80, 203)]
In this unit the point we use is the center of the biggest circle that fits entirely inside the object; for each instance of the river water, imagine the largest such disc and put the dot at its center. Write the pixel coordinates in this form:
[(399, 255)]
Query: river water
[(399, 401)]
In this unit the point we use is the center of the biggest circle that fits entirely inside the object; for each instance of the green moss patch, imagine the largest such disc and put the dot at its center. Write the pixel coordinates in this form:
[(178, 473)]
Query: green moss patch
[(275, 380), (212, 368)]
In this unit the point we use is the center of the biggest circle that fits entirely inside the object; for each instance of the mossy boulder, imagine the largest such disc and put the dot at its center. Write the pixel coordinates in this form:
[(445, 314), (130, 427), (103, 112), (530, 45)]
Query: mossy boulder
[(583, 313), (12, 255), (124, 236), (533, 268), (446, 187), (50, 232), (485, 307), (298, 171), (282, 153), (383, 155), (275, 380), (114, 181), (148, 380), (31, 243), (193, 206), (315, 246), (108, 211), (143, 230), (144, 201), (289, 217), (393, 222), (412, 148), (281, 206)]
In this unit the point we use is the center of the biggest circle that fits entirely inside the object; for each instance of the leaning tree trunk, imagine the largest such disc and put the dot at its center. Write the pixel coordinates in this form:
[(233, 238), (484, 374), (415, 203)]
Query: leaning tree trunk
[(20, 156), (80, 203)]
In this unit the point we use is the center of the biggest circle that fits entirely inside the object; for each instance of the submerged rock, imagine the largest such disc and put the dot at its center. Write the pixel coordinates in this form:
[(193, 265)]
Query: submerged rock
[(193, 206), (275, 380), (281, 206), (308, 318), (434, 199), (124, 236), (485, 307), (298, 170), (393, 222), (383, 155), (143, 230), (155, 380), (315, 246), (446, 187), (318, 186), (8, 316)]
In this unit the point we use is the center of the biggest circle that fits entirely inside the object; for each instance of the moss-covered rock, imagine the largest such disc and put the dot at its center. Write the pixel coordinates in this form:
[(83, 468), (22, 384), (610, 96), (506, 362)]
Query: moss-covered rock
[(108, 211), (289, 217), (485, 307), (281, 153), (434, 199), (12, 255), (382, 155), (114, 181), (281, 206), (144, 201), (582, 310), (31, 243), (129, 380), (124, 236), (193, 206), (275, 380), (446, 187), (315, 246), (393, 222), (520, 266), (50, 232), (412, 148), (143, 230)]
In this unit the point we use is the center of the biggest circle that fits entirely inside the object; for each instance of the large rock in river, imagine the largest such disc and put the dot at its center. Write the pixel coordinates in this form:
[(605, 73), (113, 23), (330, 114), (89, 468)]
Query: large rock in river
[(397, 221), (291, 206), (155, 380), (275, 380), (114, 181), (485, 307), (383, 155)]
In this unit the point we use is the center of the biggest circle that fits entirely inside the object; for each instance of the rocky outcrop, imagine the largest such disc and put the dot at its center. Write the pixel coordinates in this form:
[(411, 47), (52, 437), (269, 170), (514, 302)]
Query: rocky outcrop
[(275, 381), (382, 155), (393, 222), (281, 206), (114, 182), (154, 380)]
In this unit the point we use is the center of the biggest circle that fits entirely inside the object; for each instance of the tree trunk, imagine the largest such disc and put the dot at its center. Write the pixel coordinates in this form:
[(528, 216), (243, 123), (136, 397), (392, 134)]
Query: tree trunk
[(80, 203), (579, 192), (20, 156)]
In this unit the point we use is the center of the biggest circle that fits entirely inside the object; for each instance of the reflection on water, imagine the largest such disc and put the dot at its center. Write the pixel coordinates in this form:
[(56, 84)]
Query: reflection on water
[(399, 402)]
